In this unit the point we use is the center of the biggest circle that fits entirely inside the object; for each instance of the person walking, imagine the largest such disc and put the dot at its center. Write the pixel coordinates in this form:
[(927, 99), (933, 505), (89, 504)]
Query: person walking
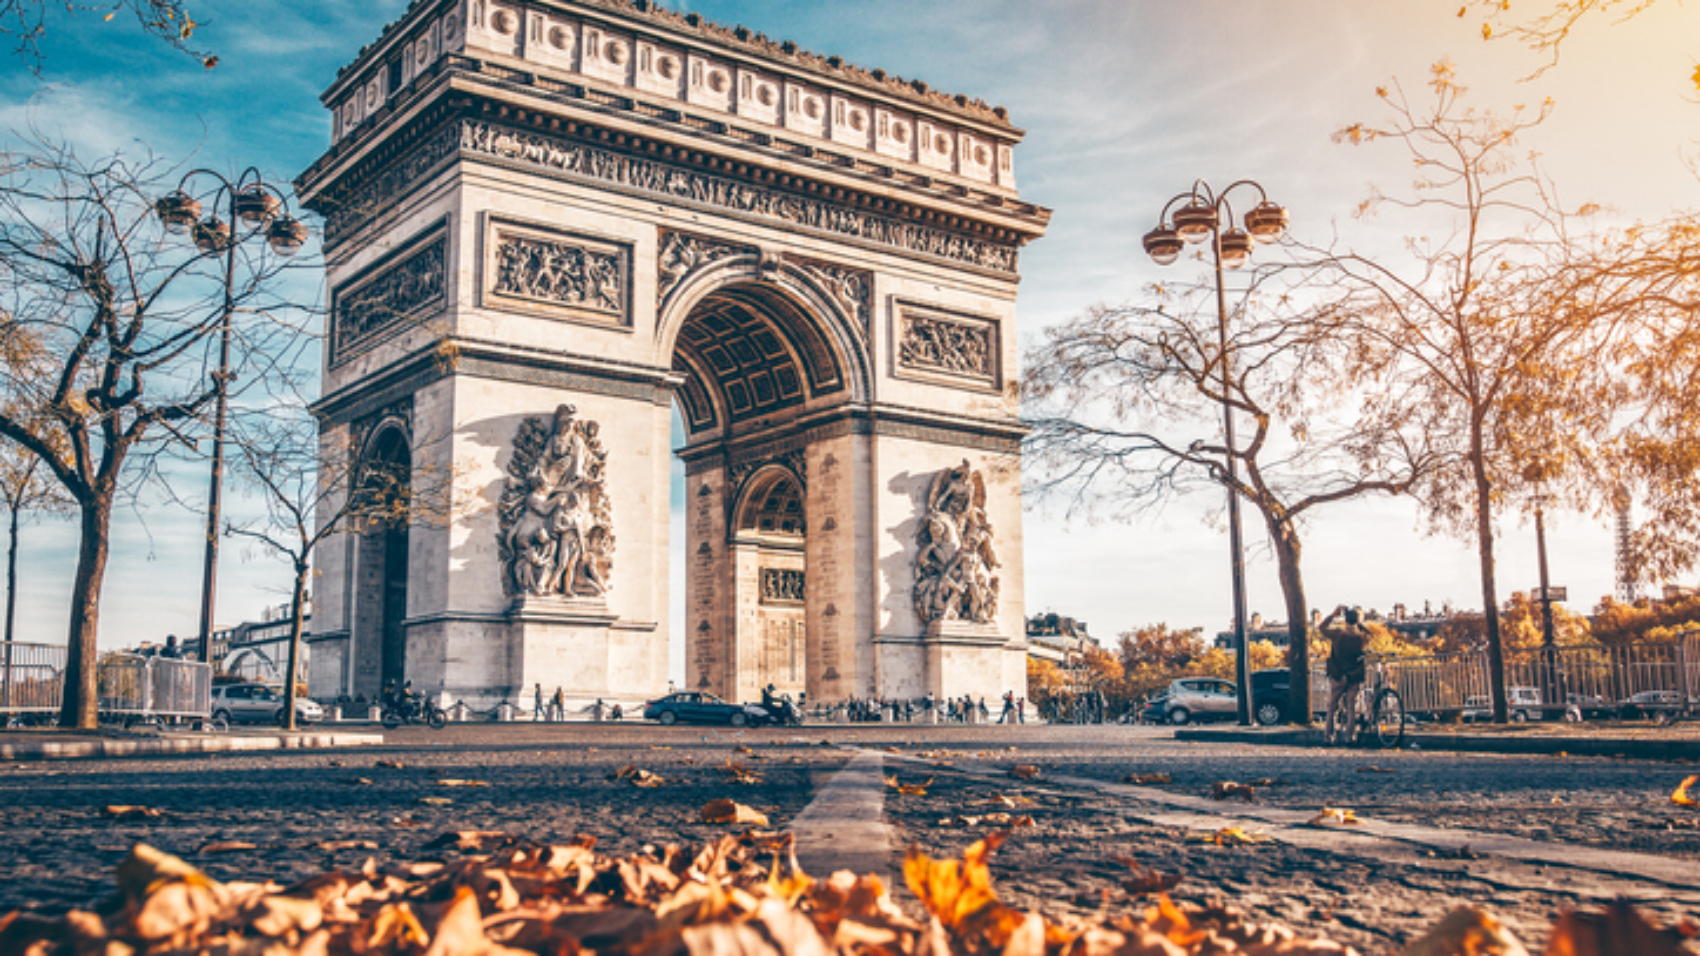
[(558, 710), (1008, 715), (537, 705), (1345, 670), (1021, 710)]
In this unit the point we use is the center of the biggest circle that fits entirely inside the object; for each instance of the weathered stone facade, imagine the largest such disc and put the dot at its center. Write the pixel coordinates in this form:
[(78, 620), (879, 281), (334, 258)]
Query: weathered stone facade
[(550, 221)]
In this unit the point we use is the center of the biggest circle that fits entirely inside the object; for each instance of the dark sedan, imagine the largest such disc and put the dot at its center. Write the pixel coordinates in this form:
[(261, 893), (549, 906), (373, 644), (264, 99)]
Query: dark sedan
[(693, 707)]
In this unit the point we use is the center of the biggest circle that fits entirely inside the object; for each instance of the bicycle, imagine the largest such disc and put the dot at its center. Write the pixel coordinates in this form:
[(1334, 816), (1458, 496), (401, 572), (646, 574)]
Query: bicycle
[(1380, 708)]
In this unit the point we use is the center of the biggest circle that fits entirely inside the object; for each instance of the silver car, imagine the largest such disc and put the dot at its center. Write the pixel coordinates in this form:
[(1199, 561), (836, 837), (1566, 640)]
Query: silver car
[(1201, 698), (258, 704)]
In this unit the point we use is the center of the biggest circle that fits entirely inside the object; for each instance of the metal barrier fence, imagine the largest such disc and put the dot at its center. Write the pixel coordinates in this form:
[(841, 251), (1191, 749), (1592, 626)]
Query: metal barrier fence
[(1644, 677), (32, 677), (130, 687)]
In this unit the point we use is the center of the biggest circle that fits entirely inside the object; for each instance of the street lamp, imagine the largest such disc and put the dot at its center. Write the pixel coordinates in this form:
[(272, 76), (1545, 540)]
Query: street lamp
[(1207, 214), (255, 209)]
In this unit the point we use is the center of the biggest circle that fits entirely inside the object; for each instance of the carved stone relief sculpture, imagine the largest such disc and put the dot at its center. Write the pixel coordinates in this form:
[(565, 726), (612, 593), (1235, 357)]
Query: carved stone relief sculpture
[(852, 288), (954, 561), (936, 344), (781, 586), (681, 255), (556, 533), (559, 273), (394, 293)]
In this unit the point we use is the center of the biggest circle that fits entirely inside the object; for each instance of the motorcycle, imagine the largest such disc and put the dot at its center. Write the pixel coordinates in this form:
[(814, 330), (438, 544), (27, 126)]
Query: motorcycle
[(416, 709), (783, 713)]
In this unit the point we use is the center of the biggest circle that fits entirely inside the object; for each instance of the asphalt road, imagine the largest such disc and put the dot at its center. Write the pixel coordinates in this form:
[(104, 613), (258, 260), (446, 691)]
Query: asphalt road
[(307, 812)]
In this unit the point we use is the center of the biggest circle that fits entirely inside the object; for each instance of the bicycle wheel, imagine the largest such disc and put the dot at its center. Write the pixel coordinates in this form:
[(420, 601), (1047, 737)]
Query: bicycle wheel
[(1388, 716)]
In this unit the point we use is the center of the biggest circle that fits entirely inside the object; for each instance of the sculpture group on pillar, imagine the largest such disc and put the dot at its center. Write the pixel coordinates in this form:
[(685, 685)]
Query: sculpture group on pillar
[(954, 563), (557, 536)]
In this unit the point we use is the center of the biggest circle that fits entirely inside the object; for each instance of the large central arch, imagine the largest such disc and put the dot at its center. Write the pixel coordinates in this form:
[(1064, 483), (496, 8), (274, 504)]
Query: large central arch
[(548, 222)]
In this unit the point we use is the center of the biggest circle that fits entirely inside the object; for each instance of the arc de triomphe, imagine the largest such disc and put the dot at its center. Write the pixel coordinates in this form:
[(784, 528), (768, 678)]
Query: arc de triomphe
[(547, 225)]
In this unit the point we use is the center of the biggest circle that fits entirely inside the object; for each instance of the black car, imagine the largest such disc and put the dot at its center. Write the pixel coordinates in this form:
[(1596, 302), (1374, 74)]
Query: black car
[(1270, 690), (694, 707), (1156, 711)]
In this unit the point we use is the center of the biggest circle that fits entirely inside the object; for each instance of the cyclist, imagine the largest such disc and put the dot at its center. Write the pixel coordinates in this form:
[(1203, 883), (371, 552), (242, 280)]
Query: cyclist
[(1345, 669)]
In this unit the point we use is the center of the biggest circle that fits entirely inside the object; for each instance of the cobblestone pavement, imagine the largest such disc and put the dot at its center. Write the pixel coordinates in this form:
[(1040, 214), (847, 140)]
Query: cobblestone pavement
[(552, 782)]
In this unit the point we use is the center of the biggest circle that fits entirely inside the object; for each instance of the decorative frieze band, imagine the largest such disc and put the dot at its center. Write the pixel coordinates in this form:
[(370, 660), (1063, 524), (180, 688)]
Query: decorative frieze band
[(402, 288), (480, 138)]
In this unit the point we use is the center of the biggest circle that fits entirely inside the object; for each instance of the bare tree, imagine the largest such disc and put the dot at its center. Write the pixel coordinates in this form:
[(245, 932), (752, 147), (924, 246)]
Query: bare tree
[(25, 21), (1124, 405), (313, 491), (128, 319), (1488, 335), (24, 485)]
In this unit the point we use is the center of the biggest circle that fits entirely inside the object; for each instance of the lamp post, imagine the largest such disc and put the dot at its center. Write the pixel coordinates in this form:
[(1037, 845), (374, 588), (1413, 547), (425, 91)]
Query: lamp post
[(255, 209), (1207, 214)]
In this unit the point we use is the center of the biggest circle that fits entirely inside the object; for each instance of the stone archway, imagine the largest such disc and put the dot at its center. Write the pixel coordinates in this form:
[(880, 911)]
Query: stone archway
[(382, 574), (547, 222), (770, 573)]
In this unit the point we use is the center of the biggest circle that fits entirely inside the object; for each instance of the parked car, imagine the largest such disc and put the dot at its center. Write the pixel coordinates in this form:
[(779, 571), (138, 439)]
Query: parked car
[(1201, 698), (695, 707), (1522, 703), (1649, 703), (1156, 710), (259, 704), (1588, 707), (1270, 691)]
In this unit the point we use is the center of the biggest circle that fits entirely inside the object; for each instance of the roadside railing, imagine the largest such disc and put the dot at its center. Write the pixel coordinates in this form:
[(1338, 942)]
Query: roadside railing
[(129, 687), (1644, 677)]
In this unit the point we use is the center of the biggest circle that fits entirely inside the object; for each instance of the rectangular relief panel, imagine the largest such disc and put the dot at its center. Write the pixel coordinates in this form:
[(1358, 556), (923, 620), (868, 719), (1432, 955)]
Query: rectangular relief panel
[(403, 287), (946, 347), (537, 270)]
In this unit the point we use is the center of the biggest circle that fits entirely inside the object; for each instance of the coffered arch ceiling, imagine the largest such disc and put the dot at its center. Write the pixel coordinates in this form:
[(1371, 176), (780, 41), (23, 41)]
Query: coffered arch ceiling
[(747, 351)]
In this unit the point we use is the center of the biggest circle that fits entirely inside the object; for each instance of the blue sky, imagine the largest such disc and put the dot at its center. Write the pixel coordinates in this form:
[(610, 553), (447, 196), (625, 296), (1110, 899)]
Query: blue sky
[(1125, 102)]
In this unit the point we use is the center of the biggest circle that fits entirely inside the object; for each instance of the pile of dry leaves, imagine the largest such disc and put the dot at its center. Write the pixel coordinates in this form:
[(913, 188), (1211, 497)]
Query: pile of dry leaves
[(742, 896)]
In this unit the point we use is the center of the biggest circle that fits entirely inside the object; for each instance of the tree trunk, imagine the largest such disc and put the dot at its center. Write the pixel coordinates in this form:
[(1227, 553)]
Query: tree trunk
[(1287, 553), (289, 680), (11, 578), (1490, 596), (81, 706)]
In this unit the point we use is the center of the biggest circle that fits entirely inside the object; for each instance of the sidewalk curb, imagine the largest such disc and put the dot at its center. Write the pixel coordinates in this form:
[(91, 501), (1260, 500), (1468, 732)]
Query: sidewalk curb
[(176, 746), (1470, 743)]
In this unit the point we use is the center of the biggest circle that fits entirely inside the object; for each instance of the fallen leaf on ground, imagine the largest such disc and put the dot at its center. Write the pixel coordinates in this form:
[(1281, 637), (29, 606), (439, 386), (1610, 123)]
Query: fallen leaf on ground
[(226, 846), (741, 895), (637, 777), (1680, 795), (1470, 930), (741, 749), (390, 764), (480, 840), (1006, 802), (1266, 782), (910, 789), (1144, 879), (1333, 815), (404, 821), (1228, 789), (122, 812), (359, 782), (1229, 836), (660, 748), (1146, 779), (334, 846), (741, 774), (731, 811), (455, 782), (1372, 768), (1024, 772), (436, 801)]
